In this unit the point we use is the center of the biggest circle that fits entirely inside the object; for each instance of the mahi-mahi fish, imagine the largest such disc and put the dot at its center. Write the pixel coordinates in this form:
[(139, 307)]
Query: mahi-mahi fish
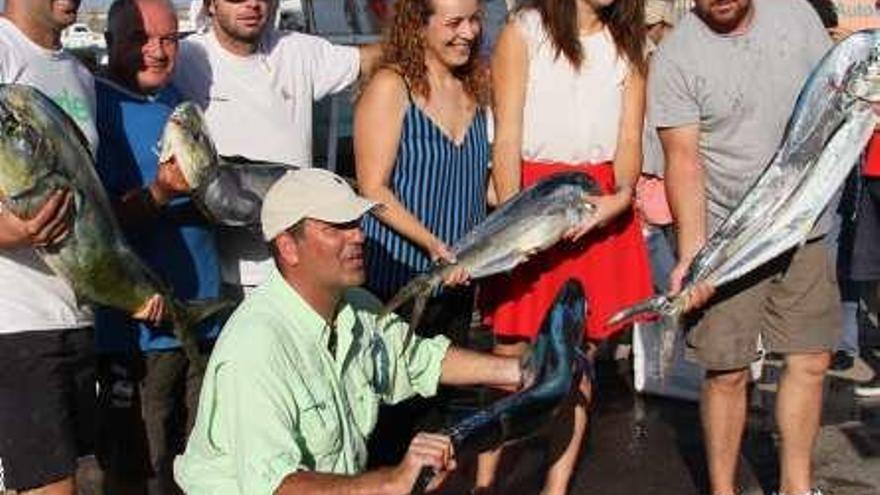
[(42, 151), (555, 365), (228, 190), (830, 125), (532, 221)]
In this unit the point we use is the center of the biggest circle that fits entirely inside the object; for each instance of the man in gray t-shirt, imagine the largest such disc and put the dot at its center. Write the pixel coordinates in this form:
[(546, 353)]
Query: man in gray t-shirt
[(721, 88), (739, 90)]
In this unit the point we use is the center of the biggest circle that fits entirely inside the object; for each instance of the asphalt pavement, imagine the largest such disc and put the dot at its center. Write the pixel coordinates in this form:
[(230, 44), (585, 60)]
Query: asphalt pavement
[(644, 445)]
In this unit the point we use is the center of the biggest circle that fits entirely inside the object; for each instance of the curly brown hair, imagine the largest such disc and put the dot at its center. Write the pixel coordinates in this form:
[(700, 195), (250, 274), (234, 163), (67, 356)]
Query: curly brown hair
[(404, 52), (624, 18)]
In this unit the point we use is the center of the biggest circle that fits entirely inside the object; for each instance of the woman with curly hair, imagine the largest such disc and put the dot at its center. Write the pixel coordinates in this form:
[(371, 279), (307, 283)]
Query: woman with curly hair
[(569, 91), (421, 150)]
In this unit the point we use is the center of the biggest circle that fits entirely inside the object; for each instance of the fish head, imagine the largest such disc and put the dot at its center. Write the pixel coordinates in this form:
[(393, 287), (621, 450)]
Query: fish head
[(186, 140), (577, 210), (867, 87), (861, 80), (26, 146)]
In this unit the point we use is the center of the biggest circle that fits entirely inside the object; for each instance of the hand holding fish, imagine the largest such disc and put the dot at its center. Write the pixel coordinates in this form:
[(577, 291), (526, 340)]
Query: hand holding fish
[(427, 450), (169, 183), (48, 226), (606, 208), (698, 295), (152, 311), (839, 33), (440, 253), (457, 277)]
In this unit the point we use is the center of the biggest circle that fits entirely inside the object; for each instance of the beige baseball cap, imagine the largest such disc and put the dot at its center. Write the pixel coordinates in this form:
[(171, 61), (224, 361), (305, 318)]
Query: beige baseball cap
[(310, 193), (658, 11)]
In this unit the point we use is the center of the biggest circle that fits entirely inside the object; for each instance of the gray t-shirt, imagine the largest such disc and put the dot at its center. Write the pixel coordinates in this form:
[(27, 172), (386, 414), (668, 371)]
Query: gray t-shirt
[(739, 89)]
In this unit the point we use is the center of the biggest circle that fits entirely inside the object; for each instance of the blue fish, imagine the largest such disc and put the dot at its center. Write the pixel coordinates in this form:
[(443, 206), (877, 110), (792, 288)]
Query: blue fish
[(556, 365)]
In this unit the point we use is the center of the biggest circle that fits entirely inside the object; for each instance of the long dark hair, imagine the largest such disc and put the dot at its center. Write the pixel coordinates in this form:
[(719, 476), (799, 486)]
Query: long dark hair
[(624, 18)]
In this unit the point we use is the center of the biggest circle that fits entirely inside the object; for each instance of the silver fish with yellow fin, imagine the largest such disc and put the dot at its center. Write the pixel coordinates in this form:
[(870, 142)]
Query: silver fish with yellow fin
[(830, 125), (532, 221), (42, 151)]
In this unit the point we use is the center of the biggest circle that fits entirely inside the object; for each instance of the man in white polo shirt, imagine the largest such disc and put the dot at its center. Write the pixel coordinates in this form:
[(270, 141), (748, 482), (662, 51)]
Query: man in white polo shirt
[(257, 86)]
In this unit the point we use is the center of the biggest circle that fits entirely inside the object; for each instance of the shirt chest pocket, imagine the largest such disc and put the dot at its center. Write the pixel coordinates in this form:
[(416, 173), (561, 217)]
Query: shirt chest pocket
[(320, 424)]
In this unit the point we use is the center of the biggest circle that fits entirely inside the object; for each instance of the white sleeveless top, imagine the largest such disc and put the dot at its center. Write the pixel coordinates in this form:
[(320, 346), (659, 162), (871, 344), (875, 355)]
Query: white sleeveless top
[(571, 115)]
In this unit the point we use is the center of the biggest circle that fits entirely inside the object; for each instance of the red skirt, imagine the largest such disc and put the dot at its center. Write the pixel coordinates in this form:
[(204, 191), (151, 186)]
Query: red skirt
[(611, 263), (871, 167)]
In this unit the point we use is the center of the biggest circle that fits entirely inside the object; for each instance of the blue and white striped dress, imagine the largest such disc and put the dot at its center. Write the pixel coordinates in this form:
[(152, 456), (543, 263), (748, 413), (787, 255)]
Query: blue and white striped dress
[(441, 183)]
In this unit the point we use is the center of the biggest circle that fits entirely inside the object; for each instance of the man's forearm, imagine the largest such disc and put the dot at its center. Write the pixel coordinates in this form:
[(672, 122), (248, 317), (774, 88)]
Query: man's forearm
[(464, 367), (685, 187), (687, 200), (376, 482), (371, 56)]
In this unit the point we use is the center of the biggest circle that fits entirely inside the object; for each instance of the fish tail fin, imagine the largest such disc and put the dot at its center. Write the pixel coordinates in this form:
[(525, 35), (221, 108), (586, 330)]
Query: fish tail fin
[(418, 308), (670, 310), (662, 304), (187, 315), (418, 289), (420, 286)]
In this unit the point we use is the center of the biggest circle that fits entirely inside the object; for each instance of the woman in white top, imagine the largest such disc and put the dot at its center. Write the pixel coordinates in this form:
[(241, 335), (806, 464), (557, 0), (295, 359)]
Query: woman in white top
[(568, 80)]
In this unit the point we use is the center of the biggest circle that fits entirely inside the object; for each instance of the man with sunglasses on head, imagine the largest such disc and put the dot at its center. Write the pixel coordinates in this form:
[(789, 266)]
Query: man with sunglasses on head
[(149, 390), (257, 86), (293, 387)]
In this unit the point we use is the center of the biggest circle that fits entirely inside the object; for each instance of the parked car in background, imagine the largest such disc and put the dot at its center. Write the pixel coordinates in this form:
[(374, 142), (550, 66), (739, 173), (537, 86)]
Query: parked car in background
[(347, 22), (87, 45), (79, 35)]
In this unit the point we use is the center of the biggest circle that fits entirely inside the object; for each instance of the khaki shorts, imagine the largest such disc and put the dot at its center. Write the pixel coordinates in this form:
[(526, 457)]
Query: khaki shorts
[(792, 302)]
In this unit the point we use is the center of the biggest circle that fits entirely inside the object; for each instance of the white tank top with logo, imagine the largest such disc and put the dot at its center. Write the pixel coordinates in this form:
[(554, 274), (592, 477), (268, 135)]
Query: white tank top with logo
[(31, 296)]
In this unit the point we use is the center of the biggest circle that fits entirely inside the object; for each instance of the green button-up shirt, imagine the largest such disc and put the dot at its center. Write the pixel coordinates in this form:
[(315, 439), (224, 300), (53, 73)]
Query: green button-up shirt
[(274, 401)]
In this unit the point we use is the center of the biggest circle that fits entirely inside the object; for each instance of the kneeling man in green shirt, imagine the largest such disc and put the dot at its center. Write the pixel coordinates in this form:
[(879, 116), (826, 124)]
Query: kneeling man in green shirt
[(293, 386)]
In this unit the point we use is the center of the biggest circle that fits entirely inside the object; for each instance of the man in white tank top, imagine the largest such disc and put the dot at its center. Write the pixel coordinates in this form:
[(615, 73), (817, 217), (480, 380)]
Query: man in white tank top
[(47, 381)]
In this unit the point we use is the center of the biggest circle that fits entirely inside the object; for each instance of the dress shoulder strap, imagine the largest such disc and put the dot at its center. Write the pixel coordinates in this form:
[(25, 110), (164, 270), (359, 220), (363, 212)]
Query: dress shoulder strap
[(403, 78)]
